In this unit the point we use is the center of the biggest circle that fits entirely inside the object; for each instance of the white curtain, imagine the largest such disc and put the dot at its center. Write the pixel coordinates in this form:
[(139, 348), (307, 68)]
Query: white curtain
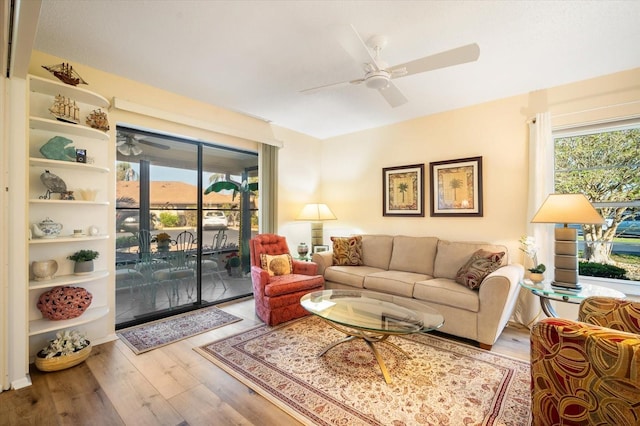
[(541, 162), (268, 178)]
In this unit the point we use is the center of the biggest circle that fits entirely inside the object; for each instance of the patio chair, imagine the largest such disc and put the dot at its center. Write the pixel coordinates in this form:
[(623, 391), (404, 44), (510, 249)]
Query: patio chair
[(144, 241), (185, 241), (277, 293)]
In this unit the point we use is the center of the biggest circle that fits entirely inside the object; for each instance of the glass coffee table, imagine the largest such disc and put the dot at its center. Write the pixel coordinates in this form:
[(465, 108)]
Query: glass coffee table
[(372, 317)]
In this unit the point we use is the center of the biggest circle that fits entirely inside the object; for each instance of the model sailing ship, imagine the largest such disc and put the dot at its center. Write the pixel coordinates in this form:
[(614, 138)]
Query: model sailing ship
[(98, 120), (65, 73), (64, 109)]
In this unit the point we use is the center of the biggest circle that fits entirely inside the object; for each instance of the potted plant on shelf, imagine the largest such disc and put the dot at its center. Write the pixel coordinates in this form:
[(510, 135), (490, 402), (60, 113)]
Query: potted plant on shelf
[(68, 349), (84, 261), (163, 241)]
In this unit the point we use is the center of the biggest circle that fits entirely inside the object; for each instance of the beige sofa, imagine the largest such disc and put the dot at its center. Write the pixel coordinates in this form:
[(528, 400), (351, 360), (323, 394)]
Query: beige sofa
[(423, 269)]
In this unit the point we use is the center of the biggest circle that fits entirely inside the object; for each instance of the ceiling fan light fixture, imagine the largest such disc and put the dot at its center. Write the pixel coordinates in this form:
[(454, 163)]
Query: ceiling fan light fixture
[(377, 80), (128, 149), (136, 150), (124, 149)]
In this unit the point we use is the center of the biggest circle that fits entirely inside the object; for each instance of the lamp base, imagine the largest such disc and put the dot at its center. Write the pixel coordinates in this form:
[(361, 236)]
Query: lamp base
[(316, 234)]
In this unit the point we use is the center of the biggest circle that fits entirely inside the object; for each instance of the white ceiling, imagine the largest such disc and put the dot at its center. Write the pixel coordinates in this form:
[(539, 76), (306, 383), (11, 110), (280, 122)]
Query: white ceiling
[(255, 56)]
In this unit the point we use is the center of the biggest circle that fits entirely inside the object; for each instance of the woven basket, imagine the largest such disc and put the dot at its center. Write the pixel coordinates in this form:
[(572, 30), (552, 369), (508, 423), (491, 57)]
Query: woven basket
[(64, 361)]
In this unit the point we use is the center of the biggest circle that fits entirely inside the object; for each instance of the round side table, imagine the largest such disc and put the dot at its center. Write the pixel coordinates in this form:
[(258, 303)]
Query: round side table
[(546, 294)]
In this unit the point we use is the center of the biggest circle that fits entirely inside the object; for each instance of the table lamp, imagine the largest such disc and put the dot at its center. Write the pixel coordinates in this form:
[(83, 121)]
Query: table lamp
[(566, 209), (316, 214)]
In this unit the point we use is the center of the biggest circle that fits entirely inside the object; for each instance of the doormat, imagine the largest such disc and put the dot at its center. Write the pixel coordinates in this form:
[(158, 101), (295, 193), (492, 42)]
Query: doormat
[(152, 335), (444, 382)]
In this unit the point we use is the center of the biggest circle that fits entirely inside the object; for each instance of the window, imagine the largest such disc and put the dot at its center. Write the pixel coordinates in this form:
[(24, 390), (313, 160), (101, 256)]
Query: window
[(603, 163)]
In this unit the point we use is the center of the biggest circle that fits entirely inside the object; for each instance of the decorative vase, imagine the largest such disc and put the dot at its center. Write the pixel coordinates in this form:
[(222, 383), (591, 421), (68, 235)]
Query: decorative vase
[(62, 362), (303, 249), (83, 268), (163, 245), (236, 271), (44, 269), (536, 277), (64, 302)]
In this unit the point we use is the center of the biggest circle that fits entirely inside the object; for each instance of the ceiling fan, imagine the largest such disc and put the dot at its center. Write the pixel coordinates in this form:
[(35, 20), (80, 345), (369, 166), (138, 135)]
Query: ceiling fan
[(378, 74), (127, 143)]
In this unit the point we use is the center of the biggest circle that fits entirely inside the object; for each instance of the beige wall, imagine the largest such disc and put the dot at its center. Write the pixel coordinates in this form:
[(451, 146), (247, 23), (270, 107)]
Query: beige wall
[(351, 165), (112, 86), (346, 171)]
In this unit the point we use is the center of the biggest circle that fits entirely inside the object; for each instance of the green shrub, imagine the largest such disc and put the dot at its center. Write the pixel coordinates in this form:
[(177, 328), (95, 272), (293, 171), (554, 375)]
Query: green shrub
[(128, 241), (592, 269), (169, 220)]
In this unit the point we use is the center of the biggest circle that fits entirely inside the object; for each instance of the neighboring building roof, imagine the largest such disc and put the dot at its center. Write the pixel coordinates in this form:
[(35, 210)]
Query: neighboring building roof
[(170, 193)]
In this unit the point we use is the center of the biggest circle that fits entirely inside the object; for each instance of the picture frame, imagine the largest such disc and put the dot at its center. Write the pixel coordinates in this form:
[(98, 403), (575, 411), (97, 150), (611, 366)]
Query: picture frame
[(403, 191), (456, 187), (320, 248)]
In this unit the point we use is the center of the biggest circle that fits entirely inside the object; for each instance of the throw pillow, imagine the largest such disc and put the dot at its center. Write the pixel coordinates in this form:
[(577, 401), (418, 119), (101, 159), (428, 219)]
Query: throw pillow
[(481, 264), (347, 251), (280, 264)]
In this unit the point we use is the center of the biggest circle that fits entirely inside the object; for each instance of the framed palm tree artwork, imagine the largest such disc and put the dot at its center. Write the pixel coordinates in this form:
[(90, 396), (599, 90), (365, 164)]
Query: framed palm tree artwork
[(403, 190), (456, 187)]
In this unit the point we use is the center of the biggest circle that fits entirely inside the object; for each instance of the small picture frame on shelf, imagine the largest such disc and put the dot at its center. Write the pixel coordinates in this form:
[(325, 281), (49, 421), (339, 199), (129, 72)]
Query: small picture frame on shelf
[(320, 248)]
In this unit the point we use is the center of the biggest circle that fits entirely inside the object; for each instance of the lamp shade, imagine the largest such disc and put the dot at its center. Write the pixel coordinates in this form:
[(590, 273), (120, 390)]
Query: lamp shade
[(567, 208), (316, 213)]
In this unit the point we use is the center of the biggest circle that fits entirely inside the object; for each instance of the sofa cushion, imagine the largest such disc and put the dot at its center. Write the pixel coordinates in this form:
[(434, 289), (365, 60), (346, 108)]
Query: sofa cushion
[(451, 256), (447, 292), (393, 282), (413, 254), (347, 250), (481, 264), (349, 275), (376, 250), (275, 265)]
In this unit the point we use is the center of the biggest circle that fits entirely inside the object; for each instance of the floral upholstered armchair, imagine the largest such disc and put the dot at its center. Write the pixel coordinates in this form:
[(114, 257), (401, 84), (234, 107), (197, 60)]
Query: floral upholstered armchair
[(279, 281), (584, 374)]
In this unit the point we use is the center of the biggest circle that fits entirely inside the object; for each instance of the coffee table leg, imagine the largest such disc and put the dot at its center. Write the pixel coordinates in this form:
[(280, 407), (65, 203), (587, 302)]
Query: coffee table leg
[(383, 367), (370, 340), (346, 339)]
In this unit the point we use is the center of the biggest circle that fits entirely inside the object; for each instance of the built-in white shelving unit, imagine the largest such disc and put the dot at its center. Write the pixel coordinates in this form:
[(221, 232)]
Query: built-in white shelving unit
[(73, 214)]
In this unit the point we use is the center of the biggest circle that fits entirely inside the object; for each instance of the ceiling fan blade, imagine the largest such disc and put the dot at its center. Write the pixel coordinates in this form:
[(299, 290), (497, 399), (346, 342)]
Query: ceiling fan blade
[(457, 56), (393, 95), (331, 86), (153, 144), (353, 44)]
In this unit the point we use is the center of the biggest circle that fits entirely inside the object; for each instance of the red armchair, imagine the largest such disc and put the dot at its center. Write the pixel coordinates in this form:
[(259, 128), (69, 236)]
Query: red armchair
[(584, 374), (277, 297)]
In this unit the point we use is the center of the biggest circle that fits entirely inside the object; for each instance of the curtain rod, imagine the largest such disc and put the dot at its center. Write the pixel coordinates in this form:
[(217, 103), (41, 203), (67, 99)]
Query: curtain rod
[(532, 120), (594, 109)]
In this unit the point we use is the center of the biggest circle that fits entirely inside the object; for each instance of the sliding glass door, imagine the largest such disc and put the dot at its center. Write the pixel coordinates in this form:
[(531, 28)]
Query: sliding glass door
[(183, 219)]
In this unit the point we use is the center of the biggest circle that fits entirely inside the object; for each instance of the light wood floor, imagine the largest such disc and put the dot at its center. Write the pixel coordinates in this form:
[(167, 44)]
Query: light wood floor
[(172, 385)]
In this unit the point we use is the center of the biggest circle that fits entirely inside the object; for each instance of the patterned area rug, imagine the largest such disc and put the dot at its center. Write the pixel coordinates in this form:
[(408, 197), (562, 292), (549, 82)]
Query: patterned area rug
[(143, 338), (444, 382)]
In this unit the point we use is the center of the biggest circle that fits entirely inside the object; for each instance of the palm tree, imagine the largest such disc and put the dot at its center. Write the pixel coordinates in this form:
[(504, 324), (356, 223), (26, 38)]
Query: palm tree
[(403, 187), (244, 189), (455, 184)]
